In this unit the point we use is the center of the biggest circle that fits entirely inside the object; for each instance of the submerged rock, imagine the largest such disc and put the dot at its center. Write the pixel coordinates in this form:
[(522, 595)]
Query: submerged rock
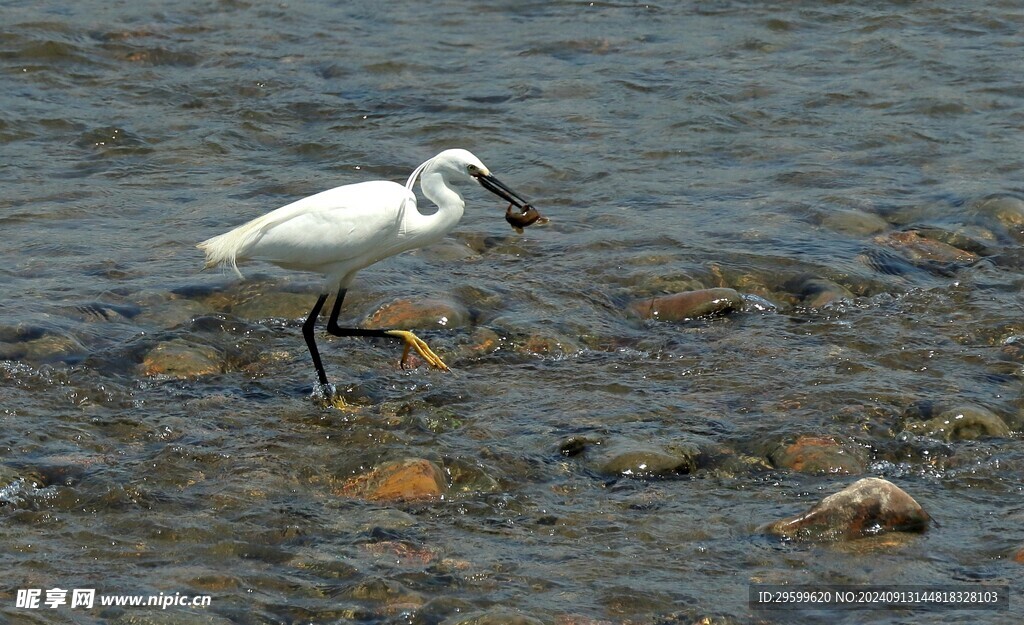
[(914, 246), (470, 477), (689, 304), (522, 336), (1004, 210), (53, 347), (167, 313), (652, 463), (868, 507), (973, 239), (103, 312), (577, 444), (817, 292), (38, 342), (818, 455), (887, 262), (386, 591), (409, 479), (541, 344), (425, 314), (644, 281), (178, 358), (966, 422), (854, 222), (274, 305)]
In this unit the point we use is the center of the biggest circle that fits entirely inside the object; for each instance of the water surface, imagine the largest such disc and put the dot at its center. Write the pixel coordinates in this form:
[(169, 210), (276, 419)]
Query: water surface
[(674, 146)]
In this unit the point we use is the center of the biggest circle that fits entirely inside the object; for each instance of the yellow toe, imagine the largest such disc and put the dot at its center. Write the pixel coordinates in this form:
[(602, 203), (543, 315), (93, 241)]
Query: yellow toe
[(413, 342)]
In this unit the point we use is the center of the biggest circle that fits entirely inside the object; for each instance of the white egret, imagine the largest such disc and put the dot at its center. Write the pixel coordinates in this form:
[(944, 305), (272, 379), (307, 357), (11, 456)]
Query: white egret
[(342, 230)]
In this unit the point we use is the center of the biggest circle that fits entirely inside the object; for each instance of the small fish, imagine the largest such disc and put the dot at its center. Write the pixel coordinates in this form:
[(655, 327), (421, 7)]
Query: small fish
[(528, 217)]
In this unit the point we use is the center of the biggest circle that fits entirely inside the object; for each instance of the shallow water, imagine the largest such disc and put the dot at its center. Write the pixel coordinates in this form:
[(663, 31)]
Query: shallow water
[(674, 146)]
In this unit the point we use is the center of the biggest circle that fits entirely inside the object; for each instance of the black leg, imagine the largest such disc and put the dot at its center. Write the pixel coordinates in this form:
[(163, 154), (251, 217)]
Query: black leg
[(336, 330), (411, 340), (307, 333), (332, 322)]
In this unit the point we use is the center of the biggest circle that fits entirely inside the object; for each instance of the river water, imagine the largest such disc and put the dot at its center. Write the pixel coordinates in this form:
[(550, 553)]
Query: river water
[(852, 169)]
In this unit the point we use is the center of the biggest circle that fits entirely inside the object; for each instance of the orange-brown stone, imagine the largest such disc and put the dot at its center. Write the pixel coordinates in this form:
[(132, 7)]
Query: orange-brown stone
[(401, 480), (688, 304), (818, 454), (425, 314)]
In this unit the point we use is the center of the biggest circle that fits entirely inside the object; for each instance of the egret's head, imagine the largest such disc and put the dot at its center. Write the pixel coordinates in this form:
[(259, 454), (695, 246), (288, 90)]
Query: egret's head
[(460, 163), (456, 163)]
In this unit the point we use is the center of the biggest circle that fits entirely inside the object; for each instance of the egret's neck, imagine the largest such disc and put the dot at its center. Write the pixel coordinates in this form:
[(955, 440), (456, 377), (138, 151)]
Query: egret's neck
[(449, 203)]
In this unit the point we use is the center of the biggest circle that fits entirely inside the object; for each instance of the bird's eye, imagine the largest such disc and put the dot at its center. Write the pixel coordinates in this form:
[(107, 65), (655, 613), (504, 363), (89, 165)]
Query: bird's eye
[(473, 170)]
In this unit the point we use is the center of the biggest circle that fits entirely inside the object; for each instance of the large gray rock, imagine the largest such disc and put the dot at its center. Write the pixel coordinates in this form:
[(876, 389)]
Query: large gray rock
[(868, 507)]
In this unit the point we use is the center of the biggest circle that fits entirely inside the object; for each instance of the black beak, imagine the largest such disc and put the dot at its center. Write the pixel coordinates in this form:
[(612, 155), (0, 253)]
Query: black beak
[(498, 188)]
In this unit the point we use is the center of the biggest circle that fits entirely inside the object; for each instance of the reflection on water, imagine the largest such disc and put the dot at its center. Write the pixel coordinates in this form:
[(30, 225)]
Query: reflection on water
[(850, 172)]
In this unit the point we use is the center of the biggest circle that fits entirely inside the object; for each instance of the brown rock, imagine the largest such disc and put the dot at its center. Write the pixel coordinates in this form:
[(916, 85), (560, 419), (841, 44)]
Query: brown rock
[(401, 480), (868, 507), (425, 314), (915, 247), (817, 455), (1019, 556), (178, 358), (484, 341), (689, 304)]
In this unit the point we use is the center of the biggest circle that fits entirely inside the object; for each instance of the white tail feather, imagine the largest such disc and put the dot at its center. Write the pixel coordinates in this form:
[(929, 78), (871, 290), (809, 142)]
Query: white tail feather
[(230, 248), (222, 250)]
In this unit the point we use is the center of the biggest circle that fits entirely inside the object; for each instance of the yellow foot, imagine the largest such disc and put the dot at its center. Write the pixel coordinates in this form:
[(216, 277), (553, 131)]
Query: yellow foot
[(338, 402), (329, 397), (414, 342)]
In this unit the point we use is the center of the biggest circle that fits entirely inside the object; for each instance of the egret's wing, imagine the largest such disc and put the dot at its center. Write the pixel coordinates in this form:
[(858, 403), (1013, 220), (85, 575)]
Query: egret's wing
[(334, 226)]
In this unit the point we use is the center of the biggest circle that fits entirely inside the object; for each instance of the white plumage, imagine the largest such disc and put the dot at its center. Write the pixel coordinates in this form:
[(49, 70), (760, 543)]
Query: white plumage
[(339, 231), (342, 230)]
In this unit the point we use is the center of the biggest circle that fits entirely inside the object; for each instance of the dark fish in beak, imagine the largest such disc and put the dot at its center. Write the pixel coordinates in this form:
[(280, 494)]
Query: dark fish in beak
[(528, 217), (518, 220)]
